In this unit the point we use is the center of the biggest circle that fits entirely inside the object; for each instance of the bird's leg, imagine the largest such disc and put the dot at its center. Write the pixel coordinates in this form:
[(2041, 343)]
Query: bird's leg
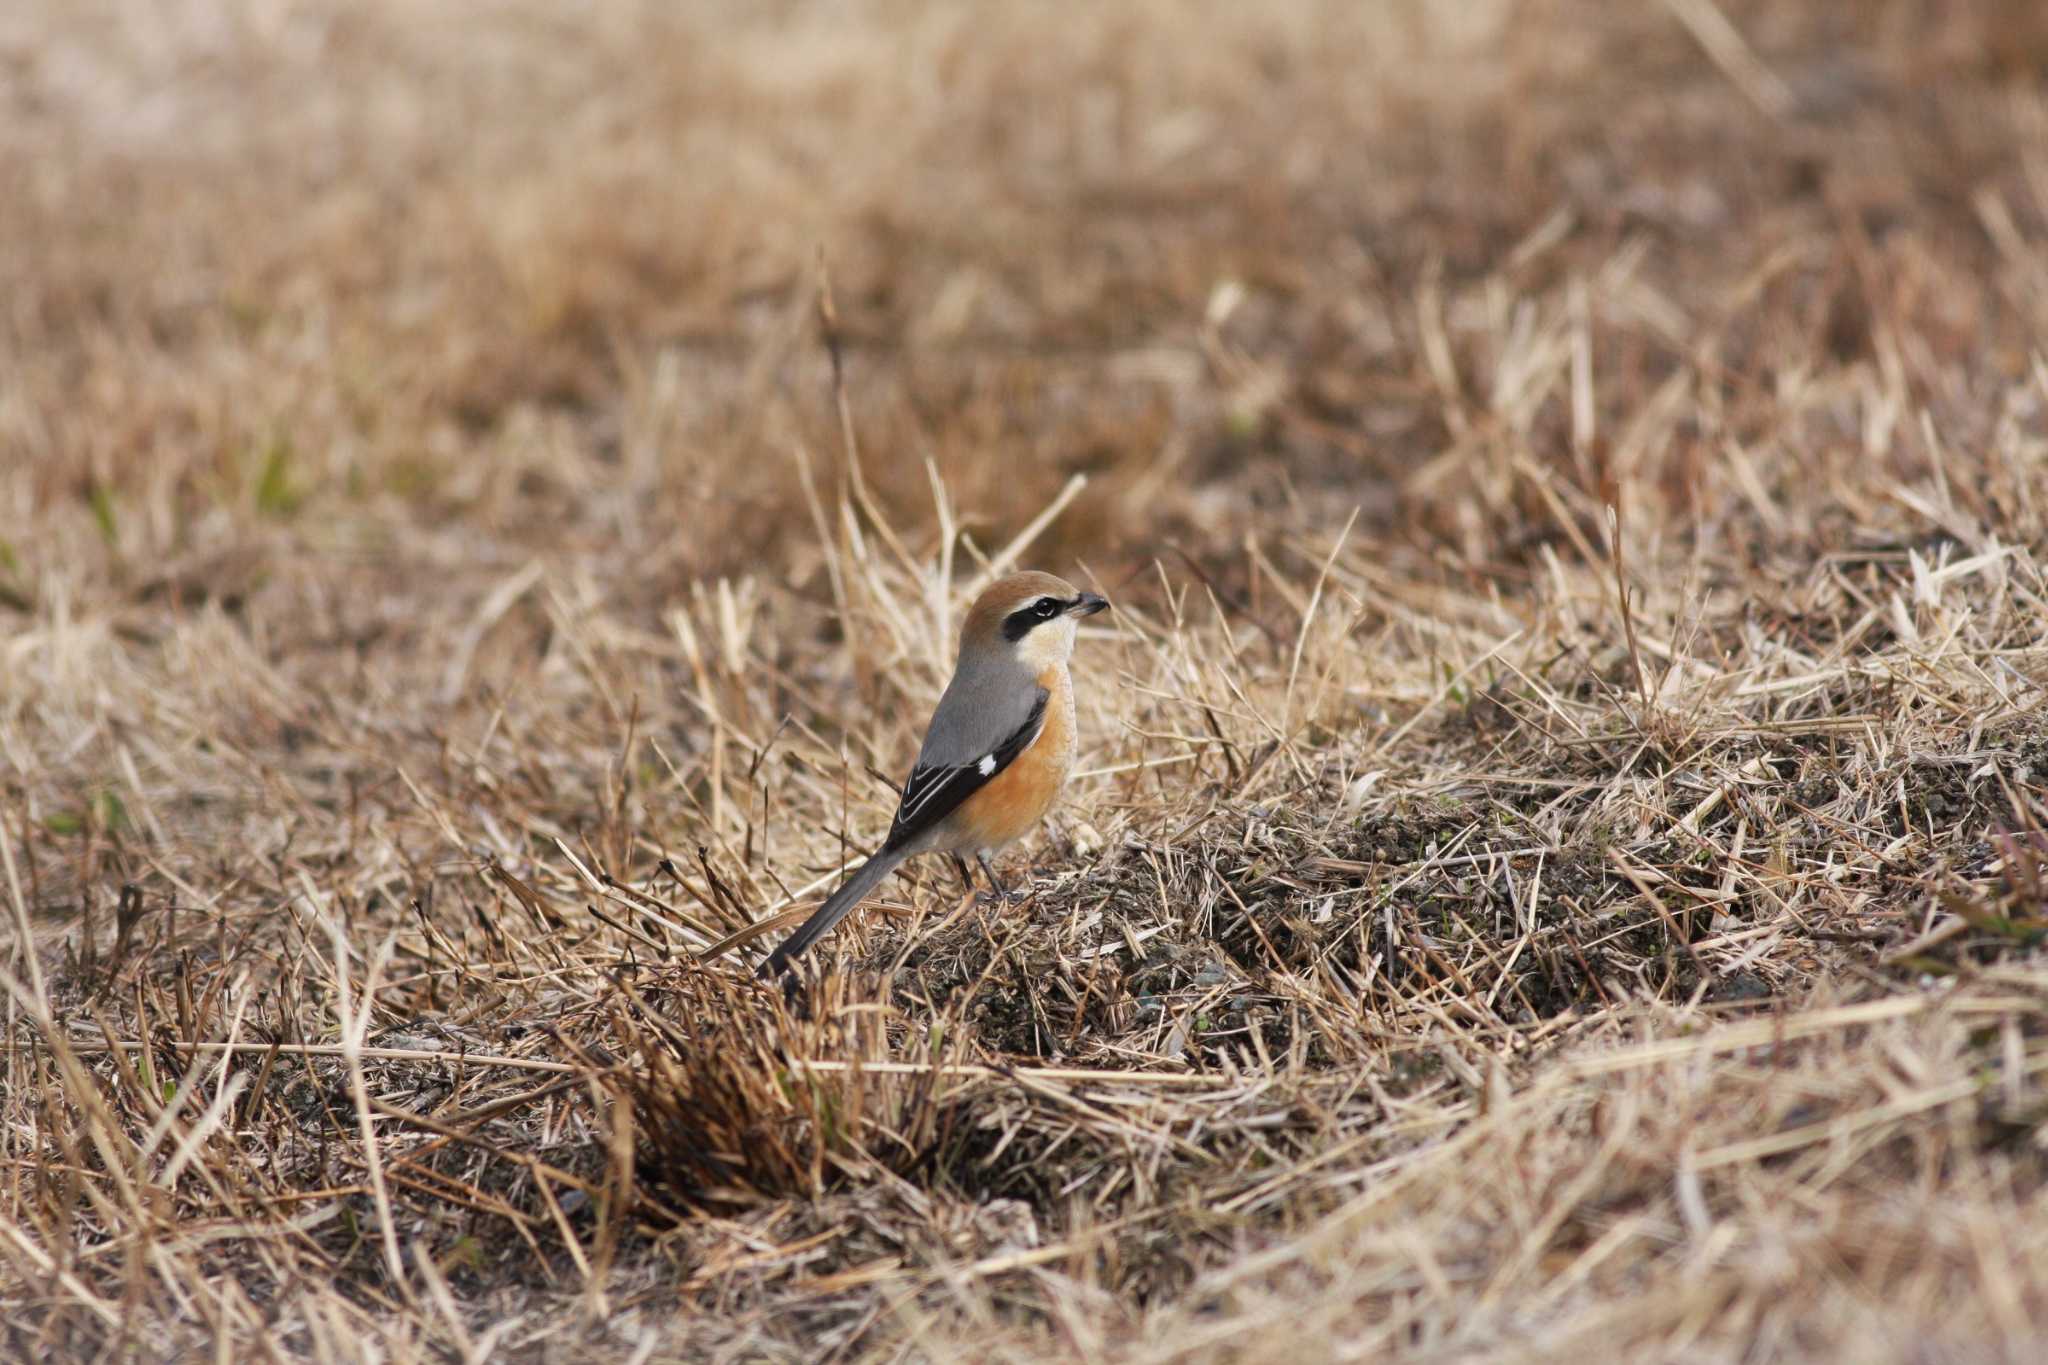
[(966, 877), (997, 890)]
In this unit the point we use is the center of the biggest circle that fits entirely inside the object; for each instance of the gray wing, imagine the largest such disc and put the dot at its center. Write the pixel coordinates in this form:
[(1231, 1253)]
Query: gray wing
[(965, 749), (987, 701)]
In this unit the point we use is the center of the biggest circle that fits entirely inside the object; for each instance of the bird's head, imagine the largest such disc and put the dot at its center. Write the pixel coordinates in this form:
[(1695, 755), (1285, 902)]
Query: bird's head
[(1028, 616)]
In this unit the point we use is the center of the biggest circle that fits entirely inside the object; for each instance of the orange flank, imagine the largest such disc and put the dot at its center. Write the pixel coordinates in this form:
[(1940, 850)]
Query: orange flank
[(1017, 798)]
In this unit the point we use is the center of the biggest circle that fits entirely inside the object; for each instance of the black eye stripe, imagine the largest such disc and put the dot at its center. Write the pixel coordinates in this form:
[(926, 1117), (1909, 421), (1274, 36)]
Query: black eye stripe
[(1018, 623)]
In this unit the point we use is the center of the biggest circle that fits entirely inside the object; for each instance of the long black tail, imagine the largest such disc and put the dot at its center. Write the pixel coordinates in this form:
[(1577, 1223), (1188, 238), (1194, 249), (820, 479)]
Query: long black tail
[(851, 893)]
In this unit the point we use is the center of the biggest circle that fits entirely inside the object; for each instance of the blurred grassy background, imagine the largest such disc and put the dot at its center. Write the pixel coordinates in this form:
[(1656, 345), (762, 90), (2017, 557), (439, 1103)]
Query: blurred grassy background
[(342, 267)]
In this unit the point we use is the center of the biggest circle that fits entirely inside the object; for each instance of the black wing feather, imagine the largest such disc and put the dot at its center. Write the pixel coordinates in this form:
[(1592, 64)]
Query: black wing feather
[(935, 791)]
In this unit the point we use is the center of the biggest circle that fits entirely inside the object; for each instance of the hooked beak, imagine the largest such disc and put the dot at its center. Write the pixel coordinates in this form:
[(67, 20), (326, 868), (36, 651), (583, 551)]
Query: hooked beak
[(1087, 604)]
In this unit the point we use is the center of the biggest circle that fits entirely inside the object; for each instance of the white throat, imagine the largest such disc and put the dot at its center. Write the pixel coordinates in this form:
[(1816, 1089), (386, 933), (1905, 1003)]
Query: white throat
[(1049, 645)]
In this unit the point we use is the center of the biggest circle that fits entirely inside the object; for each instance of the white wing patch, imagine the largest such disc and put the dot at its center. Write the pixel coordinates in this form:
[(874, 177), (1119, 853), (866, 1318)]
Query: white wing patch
[(987, 764)]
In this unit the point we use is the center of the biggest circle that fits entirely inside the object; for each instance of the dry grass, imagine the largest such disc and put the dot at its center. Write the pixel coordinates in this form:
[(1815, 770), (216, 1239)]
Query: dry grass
[(1562, 858)]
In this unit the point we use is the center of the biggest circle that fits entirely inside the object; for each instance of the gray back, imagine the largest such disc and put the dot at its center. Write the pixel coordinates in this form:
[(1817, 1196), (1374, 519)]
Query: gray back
[(991, 695)]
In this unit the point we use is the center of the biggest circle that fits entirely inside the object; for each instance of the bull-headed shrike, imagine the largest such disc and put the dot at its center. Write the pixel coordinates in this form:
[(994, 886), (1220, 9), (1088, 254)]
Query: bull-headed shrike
[(997, 751)]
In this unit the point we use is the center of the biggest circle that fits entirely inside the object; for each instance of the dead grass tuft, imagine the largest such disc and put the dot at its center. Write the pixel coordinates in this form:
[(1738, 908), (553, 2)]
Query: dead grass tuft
[(735, 1098)]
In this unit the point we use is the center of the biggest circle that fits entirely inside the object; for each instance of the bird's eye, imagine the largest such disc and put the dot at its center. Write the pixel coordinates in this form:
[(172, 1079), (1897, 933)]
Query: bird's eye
[(1047, 608)]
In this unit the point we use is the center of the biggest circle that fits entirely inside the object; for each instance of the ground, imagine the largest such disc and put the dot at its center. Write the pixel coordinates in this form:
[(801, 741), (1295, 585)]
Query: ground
[(1557, 871)]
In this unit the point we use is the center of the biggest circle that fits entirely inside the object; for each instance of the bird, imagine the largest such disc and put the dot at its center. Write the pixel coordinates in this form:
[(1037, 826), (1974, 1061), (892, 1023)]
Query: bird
[(996, 753)]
